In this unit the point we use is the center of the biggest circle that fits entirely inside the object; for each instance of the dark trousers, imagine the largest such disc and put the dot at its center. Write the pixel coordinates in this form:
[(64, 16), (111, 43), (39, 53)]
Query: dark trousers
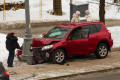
[(11, 58)]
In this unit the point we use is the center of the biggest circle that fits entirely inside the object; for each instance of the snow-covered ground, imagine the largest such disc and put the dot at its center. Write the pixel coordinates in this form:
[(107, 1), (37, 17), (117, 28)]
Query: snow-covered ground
[(10, 1), (19, 15), (115, 32)]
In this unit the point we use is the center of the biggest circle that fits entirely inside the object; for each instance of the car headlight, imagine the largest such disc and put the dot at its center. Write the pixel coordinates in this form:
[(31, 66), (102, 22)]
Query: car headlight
[(47, 47)]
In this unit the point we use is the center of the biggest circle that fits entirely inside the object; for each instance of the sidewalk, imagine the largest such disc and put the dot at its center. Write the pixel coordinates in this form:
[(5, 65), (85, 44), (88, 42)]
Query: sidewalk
[(73, 66)]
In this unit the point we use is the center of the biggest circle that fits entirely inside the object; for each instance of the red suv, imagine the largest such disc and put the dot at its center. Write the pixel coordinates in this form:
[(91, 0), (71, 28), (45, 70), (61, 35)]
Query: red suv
[(71, 39)]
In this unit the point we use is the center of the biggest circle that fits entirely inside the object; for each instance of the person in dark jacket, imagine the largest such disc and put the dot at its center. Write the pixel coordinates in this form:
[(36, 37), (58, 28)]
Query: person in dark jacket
[(11, 45)]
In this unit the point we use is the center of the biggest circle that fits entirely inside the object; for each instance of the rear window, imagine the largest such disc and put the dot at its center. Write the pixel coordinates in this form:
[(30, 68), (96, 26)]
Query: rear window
[(98, 26)]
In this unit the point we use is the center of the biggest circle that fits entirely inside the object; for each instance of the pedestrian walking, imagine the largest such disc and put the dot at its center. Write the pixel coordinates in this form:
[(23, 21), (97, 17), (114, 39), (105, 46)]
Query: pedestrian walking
[(88, 16), (11, 45), (76, 17)]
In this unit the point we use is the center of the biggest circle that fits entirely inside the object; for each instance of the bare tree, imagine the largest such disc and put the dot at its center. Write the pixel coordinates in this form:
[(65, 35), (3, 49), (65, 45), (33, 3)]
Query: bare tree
[(116, 1), (102, 11), (57, 7)]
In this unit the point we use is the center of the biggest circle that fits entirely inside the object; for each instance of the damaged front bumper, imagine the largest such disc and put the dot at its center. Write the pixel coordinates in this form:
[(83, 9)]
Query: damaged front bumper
[(41, 55)]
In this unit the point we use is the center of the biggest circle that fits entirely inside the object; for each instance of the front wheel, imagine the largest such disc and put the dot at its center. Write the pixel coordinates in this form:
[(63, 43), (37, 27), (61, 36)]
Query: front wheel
[(59, 56), (101, 51)]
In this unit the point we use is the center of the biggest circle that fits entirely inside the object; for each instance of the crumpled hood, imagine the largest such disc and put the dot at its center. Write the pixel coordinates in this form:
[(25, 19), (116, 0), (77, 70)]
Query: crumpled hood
[(39, 42)]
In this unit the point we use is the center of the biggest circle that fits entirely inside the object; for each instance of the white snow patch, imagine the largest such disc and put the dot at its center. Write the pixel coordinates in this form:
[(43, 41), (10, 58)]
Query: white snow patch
[(10, 1), (115, 33)]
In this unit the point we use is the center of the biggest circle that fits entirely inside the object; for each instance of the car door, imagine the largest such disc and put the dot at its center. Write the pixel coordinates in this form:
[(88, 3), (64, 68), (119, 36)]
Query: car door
[(77, 42), (93, 37)]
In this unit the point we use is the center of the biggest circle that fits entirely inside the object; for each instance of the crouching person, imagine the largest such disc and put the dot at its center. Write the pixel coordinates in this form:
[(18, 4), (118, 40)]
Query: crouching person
[(76, 17), (88, 16), (11, 45)]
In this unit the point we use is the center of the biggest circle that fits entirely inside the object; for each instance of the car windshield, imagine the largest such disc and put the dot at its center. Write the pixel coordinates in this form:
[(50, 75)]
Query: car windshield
[(57, 32)]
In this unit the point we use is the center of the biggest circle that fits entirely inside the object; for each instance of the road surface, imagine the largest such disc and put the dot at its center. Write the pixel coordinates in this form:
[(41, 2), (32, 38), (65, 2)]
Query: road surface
[(107, 75)]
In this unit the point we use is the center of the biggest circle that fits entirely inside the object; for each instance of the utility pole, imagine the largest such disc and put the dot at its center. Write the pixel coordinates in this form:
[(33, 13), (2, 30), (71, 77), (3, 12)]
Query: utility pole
[(4, 12), (71, 1), (40, 8), (27, 56)]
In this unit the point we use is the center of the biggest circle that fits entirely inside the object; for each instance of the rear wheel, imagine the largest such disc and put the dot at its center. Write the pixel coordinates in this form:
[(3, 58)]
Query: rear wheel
[(101, 51), (59, 56)]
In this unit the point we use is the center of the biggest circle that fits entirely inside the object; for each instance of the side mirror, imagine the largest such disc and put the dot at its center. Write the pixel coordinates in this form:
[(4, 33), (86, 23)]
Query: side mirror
[(69, 38)]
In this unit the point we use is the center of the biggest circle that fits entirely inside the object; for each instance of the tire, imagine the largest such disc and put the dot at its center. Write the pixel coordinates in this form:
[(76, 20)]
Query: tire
[(101, 51), (59, 56)]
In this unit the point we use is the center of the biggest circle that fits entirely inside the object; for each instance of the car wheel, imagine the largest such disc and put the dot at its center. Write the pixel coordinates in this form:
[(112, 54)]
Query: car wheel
[(102, 51), (59, 56)]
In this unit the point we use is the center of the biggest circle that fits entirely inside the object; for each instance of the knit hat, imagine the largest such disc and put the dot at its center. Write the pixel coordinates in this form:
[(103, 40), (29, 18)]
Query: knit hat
[(87, 11), (12, 33), (77, 12)]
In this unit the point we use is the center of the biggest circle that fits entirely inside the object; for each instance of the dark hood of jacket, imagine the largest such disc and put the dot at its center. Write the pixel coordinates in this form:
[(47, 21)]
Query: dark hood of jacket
[(10, 36), (11, 42)]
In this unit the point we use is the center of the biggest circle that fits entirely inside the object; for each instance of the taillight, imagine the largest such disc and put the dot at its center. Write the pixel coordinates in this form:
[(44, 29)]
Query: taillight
[(108, 31), (7, 73)]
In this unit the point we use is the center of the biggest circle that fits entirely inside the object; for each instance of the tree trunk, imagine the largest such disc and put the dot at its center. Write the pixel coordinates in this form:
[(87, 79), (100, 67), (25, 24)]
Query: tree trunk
[(116, 1), (57, 7), (102, 11)]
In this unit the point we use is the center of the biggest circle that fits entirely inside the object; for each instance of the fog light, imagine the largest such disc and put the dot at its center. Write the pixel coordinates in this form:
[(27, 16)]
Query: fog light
[(47, 54)]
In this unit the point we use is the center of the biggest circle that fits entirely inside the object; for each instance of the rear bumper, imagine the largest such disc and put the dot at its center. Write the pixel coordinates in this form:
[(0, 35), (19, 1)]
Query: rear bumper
[(111, 43)]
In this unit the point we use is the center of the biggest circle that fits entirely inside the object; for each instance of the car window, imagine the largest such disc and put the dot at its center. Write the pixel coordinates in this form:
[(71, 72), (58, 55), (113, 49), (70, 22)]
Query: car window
[(57, 32), (98, 26), (92, 28), (77, 34)]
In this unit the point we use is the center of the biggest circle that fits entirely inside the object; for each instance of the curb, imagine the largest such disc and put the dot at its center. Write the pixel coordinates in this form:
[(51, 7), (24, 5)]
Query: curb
[(84, 73)]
